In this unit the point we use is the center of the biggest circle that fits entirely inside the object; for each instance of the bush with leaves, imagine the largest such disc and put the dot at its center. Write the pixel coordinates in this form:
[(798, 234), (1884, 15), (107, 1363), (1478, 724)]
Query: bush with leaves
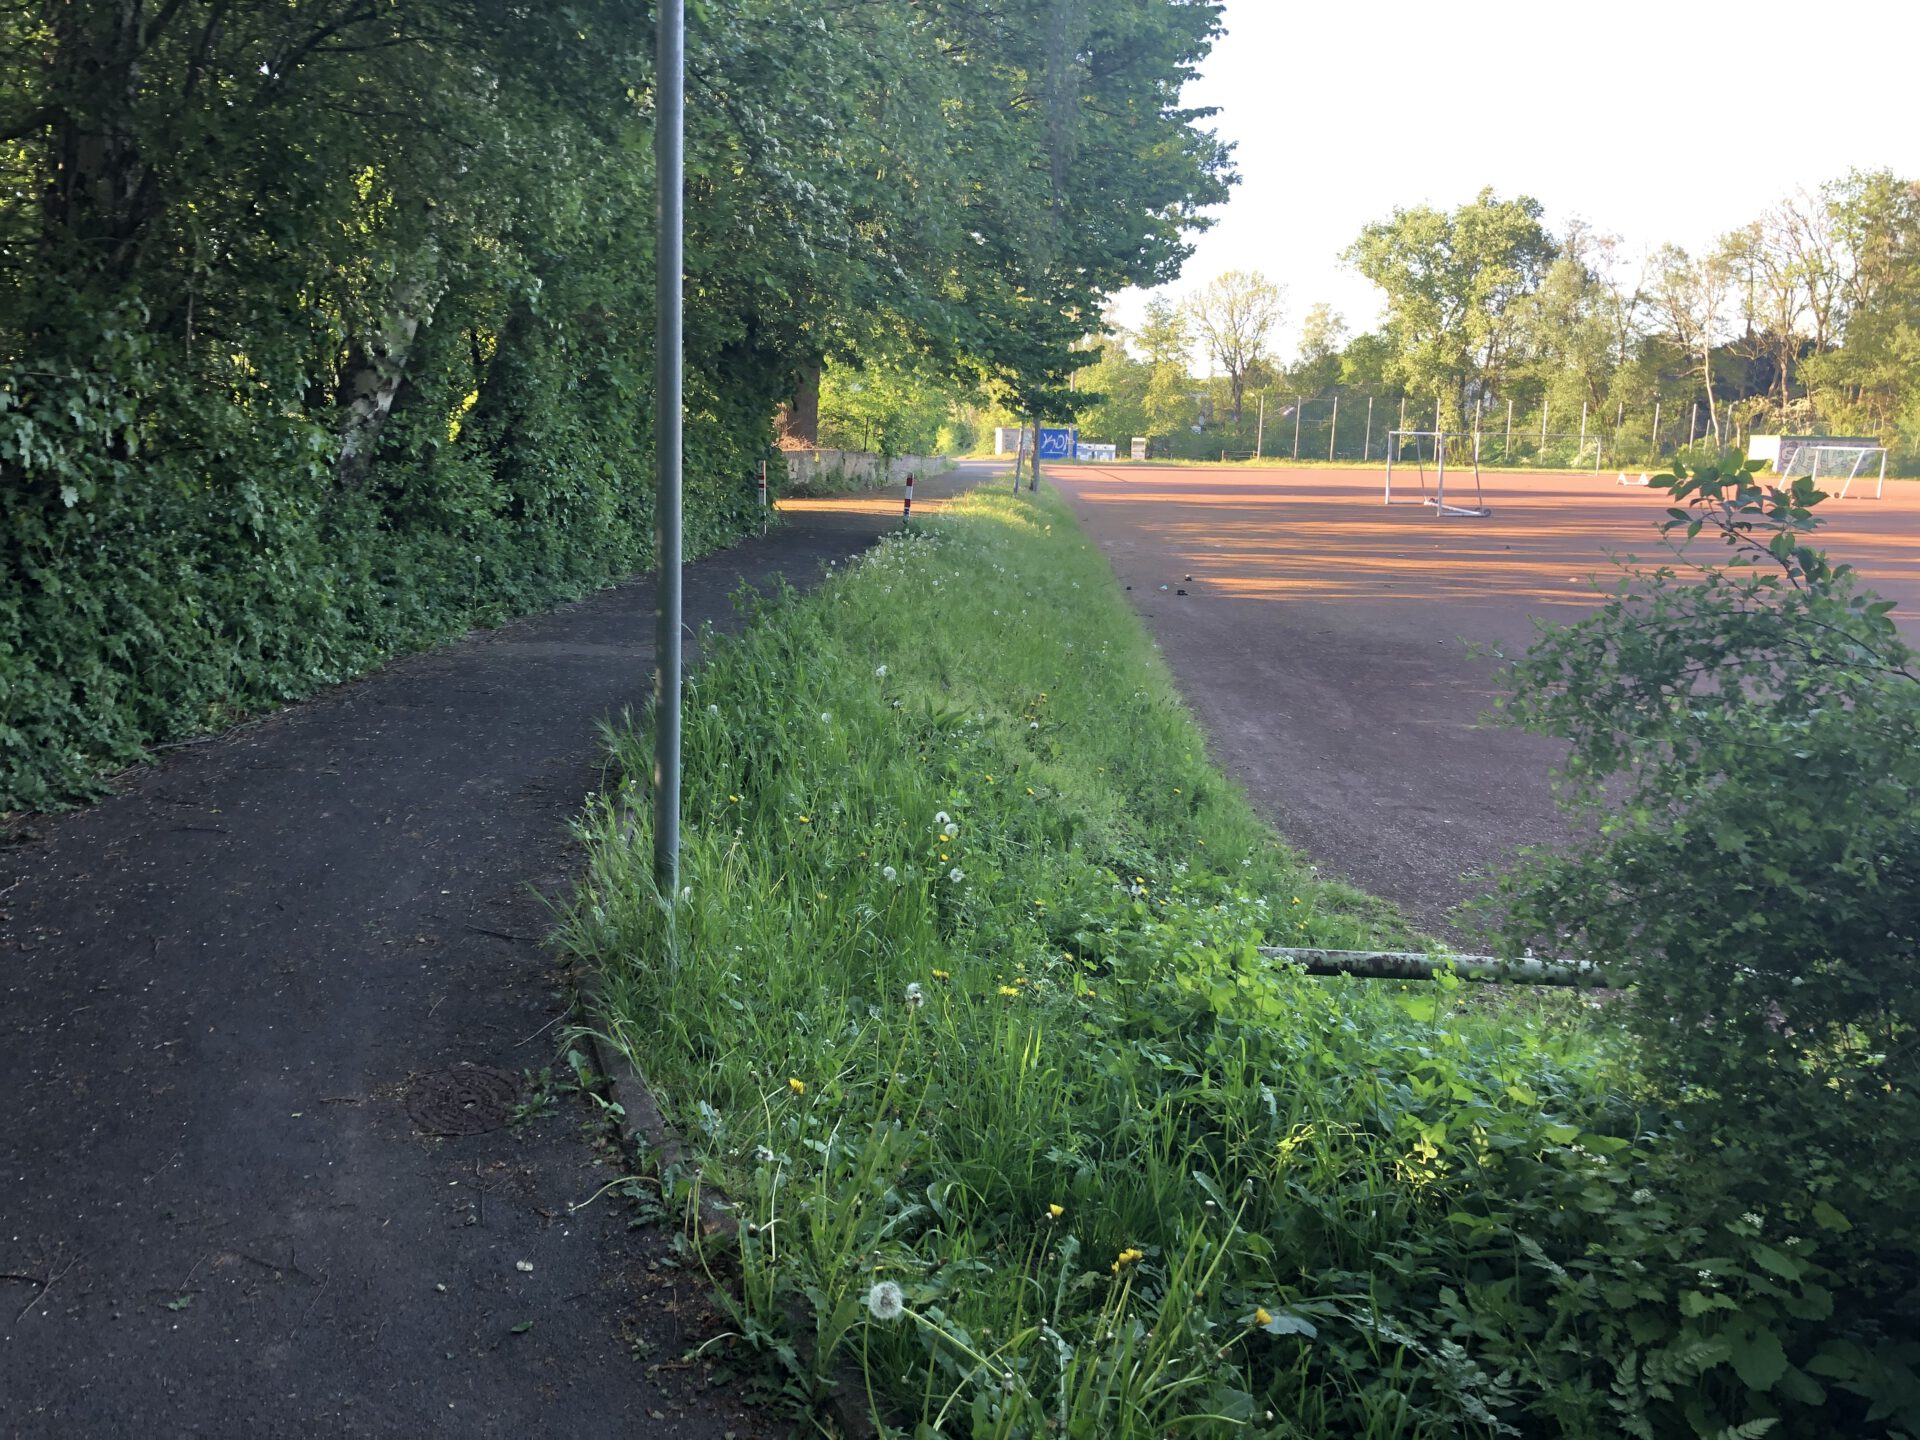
[(1748, 723)]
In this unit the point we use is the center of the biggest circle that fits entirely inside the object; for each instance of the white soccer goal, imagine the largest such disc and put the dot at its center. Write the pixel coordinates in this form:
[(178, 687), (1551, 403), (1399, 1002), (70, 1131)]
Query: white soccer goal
[(1850, 461), (1415, 450), (1823, 457)]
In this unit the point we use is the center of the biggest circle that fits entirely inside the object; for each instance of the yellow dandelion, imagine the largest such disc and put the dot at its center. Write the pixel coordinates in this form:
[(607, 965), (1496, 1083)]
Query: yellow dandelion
[(1056, 1211), (1029, 789), (733, 799), (806, 819), (1261, 1316), (989, 779), (943, 974), (798, 1087), (1010, 991)]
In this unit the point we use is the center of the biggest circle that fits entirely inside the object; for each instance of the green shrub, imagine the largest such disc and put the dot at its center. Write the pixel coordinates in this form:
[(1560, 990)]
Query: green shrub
[(1749, 726)]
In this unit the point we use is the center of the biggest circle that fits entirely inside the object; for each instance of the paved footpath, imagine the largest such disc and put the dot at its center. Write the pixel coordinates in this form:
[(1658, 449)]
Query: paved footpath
[(222, 988)]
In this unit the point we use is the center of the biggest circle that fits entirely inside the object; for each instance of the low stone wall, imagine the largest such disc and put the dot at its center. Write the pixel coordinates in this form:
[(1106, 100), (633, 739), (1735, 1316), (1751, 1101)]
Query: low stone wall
[(821, 471)]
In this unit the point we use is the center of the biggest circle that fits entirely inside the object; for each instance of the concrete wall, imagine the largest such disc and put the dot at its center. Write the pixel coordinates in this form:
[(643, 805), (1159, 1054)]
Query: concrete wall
[(831, 469)]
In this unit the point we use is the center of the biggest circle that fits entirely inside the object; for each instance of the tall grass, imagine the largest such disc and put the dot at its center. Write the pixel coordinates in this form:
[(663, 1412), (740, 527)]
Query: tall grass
[(963, 1003)]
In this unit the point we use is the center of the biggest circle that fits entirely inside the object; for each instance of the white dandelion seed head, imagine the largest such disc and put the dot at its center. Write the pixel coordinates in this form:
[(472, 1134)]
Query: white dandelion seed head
[(713, 709), (950, 830), (956, 874), (941, 818), (686, 892), (887, 872), (826, 717), (886, 1301), (880, 672), (762, 1155), (1033, 725), (916, 997)]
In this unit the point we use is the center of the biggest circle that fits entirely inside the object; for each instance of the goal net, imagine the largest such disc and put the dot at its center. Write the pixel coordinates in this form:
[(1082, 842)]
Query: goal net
[(1845, 458)]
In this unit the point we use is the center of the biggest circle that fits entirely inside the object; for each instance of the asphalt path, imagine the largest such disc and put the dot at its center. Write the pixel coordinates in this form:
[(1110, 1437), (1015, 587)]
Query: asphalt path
[(1327, 642), (227, 989)]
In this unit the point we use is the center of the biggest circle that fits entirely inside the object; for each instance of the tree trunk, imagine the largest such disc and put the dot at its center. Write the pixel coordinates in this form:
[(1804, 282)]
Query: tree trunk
[(377, 367)]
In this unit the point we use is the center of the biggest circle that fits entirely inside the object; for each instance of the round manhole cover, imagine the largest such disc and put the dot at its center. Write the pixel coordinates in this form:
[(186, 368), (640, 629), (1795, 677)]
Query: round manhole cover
[(470, 1100)]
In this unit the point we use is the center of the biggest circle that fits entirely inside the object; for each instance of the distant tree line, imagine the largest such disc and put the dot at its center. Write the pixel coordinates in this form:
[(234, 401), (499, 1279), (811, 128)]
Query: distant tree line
[(1806, 320), (325, 325)]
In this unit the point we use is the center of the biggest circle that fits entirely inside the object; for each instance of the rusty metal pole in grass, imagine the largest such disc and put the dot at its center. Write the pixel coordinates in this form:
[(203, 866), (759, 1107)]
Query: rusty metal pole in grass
[(669, 163)]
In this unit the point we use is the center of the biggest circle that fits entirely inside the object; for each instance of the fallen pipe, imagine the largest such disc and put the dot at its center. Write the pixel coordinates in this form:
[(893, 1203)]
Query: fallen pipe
[(1413, 965)]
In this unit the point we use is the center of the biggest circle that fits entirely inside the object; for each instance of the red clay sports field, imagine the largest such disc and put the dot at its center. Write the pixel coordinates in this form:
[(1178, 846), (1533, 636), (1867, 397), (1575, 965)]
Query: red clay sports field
[(1324, 639)]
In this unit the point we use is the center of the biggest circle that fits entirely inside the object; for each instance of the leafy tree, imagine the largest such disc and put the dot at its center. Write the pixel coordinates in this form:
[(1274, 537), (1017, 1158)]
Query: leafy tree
[(1454, 283), (1317, 366), (1234, 317), (1692, 299)]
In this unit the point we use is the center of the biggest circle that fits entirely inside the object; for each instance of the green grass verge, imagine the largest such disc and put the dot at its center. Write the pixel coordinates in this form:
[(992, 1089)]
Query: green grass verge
[(963, 1006)]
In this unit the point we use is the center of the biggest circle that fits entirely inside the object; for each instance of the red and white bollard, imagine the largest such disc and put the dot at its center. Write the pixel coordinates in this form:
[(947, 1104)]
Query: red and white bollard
[(906, 512)]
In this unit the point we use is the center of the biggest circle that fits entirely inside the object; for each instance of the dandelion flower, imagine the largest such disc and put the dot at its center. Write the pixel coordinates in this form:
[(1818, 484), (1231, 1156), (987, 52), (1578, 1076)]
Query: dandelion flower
[(887, 872), (1261, 1315), (950, 830), (713, 709), (916, 997), (941, 817), (733, 799), (880, 672), (763, 1155), (956, 874), (798, 1087), (806, 819), (826, 717), (886, 1301), (943, 974), (1010, 992), (1128, 1256), (1056, 1211)]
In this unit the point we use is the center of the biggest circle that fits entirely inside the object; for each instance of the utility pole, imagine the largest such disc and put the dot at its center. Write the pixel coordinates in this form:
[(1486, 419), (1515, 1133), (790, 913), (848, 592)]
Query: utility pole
[(669, 164)]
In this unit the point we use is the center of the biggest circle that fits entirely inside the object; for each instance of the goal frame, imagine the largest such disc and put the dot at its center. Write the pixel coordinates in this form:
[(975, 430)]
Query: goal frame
[(1861, 455), (1438, 500)]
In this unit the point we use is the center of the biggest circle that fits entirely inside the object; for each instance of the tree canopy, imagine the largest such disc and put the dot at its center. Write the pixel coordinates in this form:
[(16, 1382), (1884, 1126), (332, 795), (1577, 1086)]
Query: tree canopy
[(325, 327)]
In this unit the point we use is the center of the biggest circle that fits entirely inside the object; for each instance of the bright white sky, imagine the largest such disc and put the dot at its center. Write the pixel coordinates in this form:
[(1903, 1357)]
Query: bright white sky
[(1654, 120)]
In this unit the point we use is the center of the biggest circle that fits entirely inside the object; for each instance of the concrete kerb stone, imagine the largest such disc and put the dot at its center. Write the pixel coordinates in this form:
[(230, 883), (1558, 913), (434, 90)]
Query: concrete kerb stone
[(646, 1135)]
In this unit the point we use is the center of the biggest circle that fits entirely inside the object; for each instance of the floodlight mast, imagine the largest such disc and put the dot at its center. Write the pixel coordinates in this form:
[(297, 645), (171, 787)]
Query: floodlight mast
[(669, 154)]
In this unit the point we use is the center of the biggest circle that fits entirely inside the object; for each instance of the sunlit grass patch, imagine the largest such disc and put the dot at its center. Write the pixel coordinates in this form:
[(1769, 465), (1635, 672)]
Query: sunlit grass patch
[(963, 1004)]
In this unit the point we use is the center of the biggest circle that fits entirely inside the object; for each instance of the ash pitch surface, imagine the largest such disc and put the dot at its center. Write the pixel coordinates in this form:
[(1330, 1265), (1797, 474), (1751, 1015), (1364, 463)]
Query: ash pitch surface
[(1326, 639), (217, 1216)]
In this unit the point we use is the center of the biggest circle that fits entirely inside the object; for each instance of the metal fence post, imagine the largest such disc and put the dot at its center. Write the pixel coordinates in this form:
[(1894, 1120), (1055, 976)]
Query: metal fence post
[(1656, 429), (1298, 406), (1366, 446), (1260, 427), (1333, 430), (1506, 451)]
